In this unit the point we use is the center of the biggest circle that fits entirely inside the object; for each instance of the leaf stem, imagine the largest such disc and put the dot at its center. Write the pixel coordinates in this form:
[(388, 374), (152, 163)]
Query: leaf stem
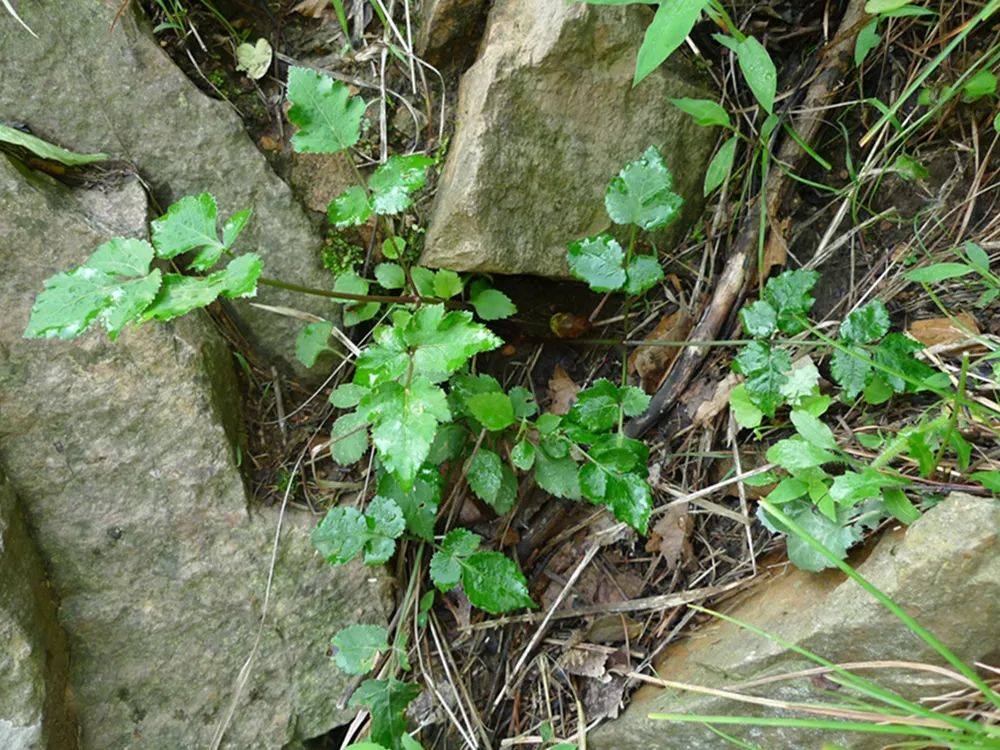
[(347, 296)]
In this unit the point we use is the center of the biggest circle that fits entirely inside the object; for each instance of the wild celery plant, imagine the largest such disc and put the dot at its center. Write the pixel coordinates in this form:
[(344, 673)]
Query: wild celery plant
[(873, 709), (824, 489), (413, 399)]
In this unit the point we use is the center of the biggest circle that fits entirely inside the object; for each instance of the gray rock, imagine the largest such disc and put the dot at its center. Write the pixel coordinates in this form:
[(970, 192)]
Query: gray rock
[(546, 117), (34, 713), (122, 454), (944, 571), (90, 87)]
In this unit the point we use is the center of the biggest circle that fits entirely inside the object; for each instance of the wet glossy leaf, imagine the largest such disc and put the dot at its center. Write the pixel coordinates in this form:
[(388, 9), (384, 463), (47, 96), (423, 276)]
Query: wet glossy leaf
[(386, 701), (446, 564), (598, 261), (327, 116), (866, 324), (493, 583), (641, 193)]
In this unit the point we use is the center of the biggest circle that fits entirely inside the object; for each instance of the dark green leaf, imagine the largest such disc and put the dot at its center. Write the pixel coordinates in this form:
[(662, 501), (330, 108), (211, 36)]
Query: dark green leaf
[(485, 475), (385, 522), (493, 583), (868, 39), (899, 505), (866, 324), (523, 401), (759, 71), (493, 410), (557, 476), (788, 294), (386, 701), (851, 370), (420, 503), (634, 400), (906, 374)]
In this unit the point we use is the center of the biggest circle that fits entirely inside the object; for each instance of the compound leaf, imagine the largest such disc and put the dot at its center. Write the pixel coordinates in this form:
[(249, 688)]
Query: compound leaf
[(446, 564), (386, 701), (866, 324), (385, 523), (341, 534), (851, 369), (642, 273)]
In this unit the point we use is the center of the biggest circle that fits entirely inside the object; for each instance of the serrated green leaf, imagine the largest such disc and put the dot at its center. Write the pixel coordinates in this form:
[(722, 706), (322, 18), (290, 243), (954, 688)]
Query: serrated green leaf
[(358, 647), (485, 475), (114, 286), (390, 275), (489, 303), (312, 341), (46, 150), (634, 400), (349, 438), (759, 71), (522, 455), (446, 564), (327, 116), (641, 193), (234, 226), (597, 407), (557, 476), (523, 401), (423, 280), (720, 166), (939, 272), (795, 454), (443, 342), (598, 261), (788, 294), (666, 32), (355, 312), (394, 182), (181, 294), (419, 503), (189, 224), (340, 536), (349, 209), (759, 319), (493, 583), (704, 111), (765, 369), (866, 324), (447, 284), (493, 410), (404, 422), (745, 412), (385, 524), (813, 430), (643, 272), (386, 701), (834, 535), (851, 370), (895, 352)]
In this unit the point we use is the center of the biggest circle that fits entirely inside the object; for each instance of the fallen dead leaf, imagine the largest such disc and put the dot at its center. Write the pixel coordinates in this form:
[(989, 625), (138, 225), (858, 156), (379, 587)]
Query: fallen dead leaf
[(936, 331), (313, 8), (670, 537), (652, 362), (776, 250), (603, 700), (613, 629), (584, 662), (710, 399), (562, 391)]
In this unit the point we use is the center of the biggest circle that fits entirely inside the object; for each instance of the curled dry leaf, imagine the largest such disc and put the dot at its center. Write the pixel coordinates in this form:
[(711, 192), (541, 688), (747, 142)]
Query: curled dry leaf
[(313, 8), (943, 331), (562, 391), (653, 361), (709, 399), (670, 537), (584, 662), (603, 700)]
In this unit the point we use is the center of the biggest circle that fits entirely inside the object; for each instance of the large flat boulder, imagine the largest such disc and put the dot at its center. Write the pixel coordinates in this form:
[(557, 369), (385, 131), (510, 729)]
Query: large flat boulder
[(546, 117), (122, 454), (89, 84), (944, 571)]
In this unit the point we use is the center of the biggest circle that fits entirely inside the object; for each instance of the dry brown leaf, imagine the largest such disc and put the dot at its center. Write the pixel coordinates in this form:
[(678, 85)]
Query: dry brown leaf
[(603, 700), (562, 391), (613, 629), (935, 331), (584, 662), (313, 8), (670, 536), (776, 250), (652, 362), (710, 399)]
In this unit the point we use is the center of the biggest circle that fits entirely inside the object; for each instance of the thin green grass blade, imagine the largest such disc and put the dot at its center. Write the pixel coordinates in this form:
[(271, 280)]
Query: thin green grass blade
[(925, 635), (733, 740)]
